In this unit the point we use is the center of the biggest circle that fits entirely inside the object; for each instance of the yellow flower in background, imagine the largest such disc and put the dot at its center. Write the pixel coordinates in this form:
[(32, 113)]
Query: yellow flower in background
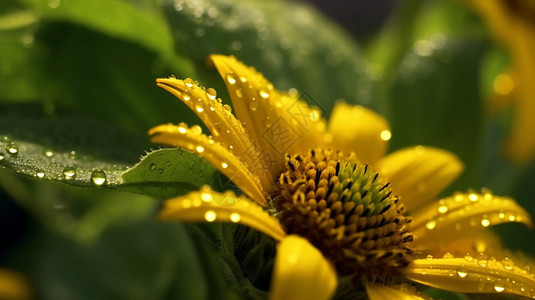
[(512, 22), (332, 199)]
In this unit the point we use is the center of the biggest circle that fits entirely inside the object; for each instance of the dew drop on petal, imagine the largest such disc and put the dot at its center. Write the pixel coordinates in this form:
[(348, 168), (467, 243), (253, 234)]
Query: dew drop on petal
[(442, 209), (264, 94), (212, 94), (461, 273), (199, 149), (98, 177), (431, 225), (210, 216), (386, 135), (231, 79), (188, 82), (186, 97), (429, 257), (182, 129), (227, 108), (473, 197), (447, 255), (199, 108), (49, 153), (239, 93), (235, 217), (224, 165), (206, 197), (468, 257), (40, 174), (196, 129), (485, 222), (498, 286), (508, 263)]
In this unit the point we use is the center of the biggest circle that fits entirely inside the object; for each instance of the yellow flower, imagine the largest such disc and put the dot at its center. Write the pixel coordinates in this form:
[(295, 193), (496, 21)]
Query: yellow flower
[(374, 217), (512, 22)]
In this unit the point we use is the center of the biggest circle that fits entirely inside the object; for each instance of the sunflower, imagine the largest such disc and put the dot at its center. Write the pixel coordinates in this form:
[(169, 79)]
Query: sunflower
[(512, 23), (338, 206)]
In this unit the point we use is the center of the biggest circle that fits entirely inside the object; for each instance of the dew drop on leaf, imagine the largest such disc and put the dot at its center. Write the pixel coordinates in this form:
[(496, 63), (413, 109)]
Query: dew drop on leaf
[(98, 177), (12, 148), (69, 172)]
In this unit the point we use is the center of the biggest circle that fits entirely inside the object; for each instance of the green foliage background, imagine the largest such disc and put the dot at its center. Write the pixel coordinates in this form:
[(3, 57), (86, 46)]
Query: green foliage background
[(77, 93)]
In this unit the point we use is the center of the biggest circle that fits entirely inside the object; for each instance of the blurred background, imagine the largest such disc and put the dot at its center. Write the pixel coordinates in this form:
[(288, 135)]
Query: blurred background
[(77, 96)]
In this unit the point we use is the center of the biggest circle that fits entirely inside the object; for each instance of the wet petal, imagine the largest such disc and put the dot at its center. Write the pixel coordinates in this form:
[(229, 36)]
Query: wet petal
[(279, 123), (474, 242), (301, 272), (463, 214), (473, 275), (355, 128), (400, 292), (209, 206), (420, 173), (218, 155), (223, 126)]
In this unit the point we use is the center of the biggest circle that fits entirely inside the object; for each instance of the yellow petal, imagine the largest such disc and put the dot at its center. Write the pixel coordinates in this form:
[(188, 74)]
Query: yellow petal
[(301, 272), (279, 123), (473, 275), (399, 292), (223, 126), (209, 206), (460, 215), (355, 128), (475, 242), (420, 173), (13, 286), (218, 155)]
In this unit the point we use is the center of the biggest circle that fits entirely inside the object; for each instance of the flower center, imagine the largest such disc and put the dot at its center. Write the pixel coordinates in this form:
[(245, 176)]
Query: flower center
[(345, 210)]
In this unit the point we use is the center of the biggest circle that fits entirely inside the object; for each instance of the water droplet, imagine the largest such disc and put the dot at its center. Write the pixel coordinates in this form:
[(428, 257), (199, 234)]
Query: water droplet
[(2, 156), (468, 257), (386, 135), (239, 93), (49, 153), (482, 260), (188, 82), (186, 97), (153, 167), (199, 109), (508, 263), (253, 104), (231, 79), (442, 209), (199, 149), (461, 273), (72, 155), (473, 197), (206, 197), (98, 177), (227, 108), (210, 216), (235, 217), (224, 165), (485, 222), (212, 94), (431, 225), (182, 129), (40, 174), (196, 129), (498, 286), (12, 148), (447, 256), (429, 257), (264, 94), (69, 172)]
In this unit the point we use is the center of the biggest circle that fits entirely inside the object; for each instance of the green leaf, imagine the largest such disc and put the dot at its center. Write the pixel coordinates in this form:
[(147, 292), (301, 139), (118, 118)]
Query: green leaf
[(168, 172), (86, 152), (290, 43)]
